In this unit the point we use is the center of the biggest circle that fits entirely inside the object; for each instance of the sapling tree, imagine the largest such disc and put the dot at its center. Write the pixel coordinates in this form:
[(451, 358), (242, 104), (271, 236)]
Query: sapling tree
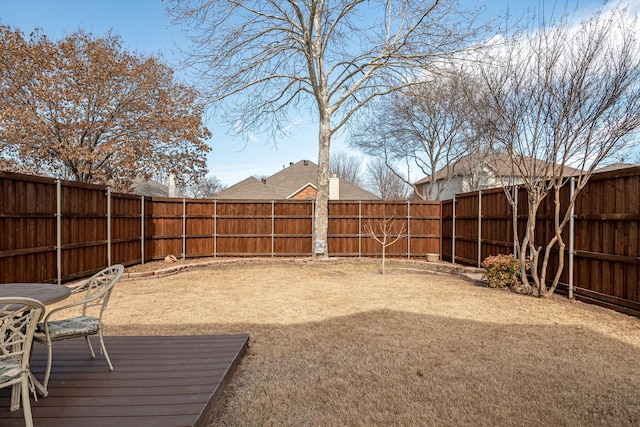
[(385, 234)]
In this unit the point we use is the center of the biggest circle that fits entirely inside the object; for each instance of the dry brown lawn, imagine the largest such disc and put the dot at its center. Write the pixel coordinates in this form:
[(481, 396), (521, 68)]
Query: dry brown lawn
[(337, 343)]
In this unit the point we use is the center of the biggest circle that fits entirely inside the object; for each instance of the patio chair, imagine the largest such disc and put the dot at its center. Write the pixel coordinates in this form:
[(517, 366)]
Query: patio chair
[(97, 292), (18, 319)]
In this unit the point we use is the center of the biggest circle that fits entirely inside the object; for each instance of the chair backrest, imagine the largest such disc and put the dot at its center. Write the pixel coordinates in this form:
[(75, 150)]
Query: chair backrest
[(18, 321), (99, 286)]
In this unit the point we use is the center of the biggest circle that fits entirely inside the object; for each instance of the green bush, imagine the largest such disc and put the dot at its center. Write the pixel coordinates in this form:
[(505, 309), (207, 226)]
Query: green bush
[(501, 270)]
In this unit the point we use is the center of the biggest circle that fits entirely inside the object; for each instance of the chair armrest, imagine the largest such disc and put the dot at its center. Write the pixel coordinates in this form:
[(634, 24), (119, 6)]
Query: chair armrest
[(71, 305), (80, 287)]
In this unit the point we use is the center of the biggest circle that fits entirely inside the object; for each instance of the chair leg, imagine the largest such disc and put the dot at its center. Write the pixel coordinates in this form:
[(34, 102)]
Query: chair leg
[(15, 397), (47, 372), (26, 403), (93, 355), (104, 350)]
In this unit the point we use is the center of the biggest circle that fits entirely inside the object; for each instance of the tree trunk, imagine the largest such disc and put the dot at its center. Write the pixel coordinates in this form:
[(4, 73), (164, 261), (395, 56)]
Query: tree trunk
[(528, 247), (322, 196)]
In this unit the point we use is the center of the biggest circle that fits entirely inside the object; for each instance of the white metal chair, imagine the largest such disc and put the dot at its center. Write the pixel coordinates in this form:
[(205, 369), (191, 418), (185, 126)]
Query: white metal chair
[(18, 320), (97, 292)]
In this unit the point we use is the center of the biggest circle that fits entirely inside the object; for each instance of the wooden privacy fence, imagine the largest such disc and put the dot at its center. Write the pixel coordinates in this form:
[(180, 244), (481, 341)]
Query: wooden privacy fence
[(602, 261), (55, 231)]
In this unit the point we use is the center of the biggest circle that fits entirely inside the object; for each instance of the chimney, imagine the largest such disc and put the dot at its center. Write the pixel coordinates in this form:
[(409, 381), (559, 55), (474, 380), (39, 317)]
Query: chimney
[(173, 192), (306, 162), (290, 163), (334, 188)]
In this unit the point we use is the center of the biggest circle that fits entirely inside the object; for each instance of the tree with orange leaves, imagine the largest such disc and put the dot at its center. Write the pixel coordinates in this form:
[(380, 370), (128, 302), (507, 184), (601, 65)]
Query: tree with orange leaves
[(86, 109)]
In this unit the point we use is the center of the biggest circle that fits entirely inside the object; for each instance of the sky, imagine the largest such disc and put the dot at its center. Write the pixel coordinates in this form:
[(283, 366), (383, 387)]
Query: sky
[(145, 27)]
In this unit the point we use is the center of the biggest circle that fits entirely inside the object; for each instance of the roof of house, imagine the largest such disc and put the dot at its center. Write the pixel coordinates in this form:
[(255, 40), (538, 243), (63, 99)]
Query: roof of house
[(150, 188), (288, 182), (616, 166), (499, 164)]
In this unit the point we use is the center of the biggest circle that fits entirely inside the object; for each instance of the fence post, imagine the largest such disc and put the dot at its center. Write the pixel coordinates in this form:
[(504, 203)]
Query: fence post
[(408, 229), (273, 213), (479, 228), (142, 229), (571, 235), (359, 228), (59, 230), (215, 228), (313, 228), (184, 228), (453, 232), (440, 232), (514, 226), (108, 226)]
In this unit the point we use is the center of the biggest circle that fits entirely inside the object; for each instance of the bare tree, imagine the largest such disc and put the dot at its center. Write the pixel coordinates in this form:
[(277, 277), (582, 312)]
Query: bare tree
[(385, 235), (385, 183), (205, 188), (261, 61), (426, 126), (563, 97), (346, 166)]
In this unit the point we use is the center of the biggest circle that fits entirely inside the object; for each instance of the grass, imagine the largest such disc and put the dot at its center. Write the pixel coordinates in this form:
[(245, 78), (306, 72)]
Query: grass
[(337, 343)]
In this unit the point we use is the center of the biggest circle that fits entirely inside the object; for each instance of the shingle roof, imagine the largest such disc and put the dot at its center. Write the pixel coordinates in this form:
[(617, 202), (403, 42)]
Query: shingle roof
[(499, 164), (150, 188), (288, 182), (616, 166), (250, 188)]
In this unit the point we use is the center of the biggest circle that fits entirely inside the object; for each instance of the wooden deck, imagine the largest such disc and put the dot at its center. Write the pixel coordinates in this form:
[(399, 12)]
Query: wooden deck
[(157, 381)]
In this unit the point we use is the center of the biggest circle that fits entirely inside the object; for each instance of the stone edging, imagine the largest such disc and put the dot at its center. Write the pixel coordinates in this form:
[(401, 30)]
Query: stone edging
[(469, 273)]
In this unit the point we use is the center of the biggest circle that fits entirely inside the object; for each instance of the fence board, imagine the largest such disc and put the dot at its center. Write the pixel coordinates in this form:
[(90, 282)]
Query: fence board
[(28, 237), (84, 221), (351, 224), (126, 229)]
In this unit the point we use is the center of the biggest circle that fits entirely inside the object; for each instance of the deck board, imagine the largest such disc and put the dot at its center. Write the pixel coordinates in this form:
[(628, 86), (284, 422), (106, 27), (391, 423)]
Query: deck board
[(167, 381)]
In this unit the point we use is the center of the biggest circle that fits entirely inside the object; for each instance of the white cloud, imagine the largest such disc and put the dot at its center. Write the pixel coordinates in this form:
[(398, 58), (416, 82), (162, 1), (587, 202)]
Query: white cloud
[(248, 135)]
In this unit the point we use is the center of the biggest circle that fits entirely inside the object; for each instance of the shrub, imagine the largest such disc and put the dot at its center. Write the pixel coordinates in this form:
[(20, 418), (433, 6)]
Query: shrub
[(501, 270)]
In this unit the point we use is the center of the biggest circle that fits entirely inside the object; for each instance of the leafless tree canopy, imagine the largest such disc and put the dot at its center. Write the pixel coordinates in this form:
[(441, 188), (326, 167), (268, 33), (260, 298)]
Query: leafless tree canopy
[(261, 61), (428, 126), (205, 188), (381, 180), (568, 96), (346, 166)]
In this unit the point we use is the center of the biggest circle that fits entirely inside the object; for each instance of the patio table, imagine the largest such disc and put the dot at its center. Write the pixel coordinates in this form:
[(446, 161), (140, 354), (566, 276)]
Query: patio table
[(46, 293)]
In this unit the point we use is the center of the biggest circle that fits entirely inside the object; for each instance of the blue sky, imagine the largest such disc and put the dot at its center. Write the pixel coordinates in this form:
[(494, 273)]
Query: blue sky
[(144, 27)]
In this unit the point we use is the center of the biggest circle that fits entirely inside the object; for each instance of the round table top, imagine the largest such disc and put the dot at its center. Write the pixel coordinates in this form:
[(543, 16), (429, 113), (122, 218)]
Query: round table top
[(46, 293)]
